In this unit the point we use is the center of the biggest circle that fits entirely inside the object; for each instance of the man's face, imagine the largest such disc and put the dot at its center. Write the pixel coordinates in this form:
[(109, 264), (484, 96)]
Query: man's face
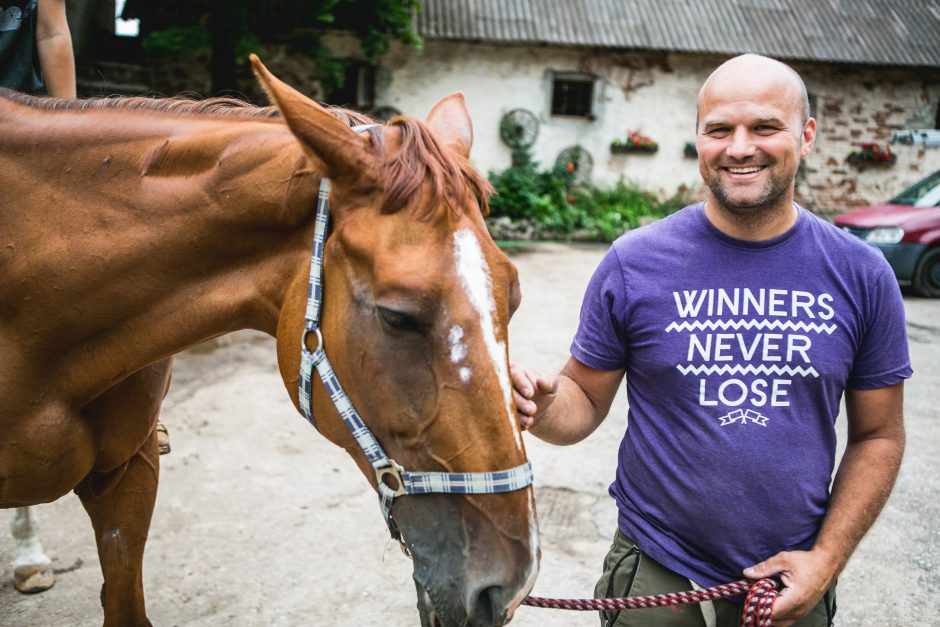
[(751, 137)]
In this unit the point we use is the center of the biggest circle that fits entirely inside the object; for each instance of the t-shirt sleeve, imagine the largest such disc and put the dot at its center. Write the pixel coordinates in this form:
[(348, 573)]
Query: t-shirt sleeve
[(883, 357), (600, 342)]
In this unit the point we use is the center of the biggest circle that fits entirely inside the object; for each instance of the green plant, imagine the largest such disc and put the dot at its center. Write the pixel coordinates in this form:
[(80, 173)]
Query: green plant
[(549, 201), (233, 29), (643, 142), (611, 211), (523, 192), (176, 40), (635, 142), (872, 153)]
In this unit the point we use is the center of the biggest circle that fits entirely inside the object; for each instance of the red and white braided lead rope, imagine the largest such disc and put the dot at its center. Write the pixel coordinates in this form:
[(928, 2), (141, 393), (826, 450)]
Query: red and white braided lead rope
[(758, 604)]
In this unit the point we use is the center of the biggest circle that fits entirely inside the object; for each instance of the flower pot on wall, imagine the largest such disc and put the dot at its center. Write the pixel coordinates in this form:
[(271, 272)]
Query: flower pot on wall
[(635, 143), (621, 149), (872, 153)]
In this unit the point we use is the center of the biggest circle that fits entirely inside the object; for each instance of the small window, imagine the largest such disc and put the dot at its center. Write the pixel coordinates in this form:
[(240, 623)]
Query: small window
[(573, 95), (122, 27), (358, 88)]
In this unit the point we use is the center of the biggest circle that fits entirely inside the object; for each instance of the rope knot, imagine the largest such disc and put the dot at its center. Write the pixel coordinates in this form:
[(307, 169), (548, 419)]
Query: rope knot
[(759, 603)]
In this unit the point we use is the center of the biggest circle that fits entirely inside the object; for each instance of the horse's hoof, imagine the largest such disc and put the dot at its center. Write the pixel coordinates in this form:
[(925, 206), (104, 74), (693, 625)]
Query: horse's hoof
[(163, 438), (33, 579)]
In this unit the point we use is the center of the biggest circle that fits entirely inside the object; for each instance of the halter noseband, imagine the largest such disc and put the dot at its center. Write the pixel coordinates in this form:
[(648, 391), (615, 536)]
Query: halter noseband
[(492, 482)]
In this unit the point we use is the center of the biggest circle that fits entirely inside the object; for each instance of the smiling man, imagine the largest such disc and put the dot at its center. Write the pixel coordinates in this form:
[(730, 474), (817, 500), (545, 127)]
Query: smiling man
[(739, 323), (752, 135)]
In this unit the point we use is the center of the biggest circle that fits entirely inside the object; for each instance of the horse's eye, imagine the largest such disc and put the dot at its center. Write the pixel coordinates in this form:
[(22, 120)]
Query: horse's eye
[(398, 321)]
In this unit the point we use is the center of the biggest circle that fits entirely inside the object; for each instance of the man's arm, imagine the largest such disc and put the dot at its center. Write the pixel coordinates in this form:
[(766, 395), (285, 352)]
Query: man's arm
[(566, 408), (54, 45), (861, 487)]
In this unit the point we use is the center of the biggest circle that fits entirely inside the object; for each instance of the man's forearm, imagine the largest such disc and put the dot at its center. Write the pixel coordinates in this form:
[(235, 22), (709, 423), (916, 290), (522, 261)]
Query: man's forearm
[(863, 482), (566, 408), (862, 485), (570, 418)]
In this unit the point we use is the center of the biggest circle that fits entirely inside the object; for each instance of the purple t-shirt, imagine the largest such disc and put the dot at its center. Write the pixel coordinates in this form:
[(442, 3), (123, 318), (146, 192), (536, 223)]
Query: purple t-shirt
[(736, 354)]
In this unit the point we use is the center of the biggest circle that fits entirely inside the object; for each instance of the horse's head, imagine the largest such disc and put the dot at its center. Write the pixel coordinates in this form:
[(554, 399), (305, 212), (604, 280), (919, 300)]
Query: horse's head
[(415, 314)]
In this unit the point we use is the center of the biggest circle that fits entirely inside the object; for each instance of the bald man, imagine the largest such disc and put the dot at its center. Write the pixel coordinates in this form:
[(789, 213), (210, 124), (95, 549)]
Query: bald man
[(739, 324)]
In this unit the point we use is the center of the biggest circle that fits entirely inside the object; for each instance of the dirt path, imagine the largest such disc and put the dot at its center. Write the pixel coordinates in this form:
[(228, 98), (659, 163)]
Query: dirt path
[(261, 521)]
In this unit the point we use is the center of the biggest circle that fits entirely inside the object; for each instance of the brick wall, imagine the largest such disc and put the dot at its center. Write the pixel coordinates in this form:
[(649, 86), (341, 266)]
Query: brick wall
[(856, 105)]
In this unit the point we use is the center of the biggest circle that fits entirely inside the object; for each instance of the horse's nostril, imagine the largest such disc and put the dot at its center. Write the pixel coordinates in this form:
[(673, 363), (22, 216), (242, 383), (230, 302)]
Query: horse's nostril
[(490, 607)]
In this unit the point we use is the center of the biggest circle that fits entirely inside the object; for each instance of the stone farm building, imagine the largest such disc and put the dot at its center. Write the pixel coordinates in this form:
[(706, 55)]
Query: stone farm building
[(583, 73), (590, 71)]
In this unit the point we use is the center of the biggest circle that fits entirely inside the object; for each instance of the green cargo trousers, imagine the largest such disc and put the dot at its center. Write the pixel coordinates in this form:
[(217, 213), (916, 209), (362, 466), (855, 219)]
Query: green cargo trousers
[(628, 572)]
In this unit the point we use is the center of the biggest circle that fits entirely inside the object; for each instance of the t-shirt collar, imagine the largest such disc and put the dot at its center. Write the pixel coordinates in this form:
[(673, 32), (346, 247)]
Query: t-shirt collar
[(752, 244)]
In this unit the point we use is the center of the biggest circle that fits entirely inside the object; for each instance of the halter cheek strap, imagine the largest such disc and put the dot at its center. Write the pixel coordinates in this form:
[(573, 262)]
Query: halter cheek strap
[(405, 482)]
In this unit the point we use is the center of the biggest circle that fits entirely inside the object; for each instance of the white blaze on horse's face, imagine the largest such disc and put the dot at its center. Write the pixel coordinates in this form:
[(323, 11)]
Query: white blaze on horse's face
[(475, 277), (458, 351)]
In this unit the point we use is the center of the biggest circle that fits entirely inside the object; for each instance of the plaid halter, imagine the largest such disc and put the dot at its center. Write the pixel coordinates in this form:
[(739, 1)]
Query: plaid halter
[(408, 482)]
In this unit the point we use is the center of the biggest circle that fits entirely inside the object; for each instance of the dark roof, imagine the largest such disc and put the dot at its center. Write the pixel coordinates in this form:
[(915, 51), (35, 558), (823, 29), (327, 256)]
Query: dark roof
[(871, 32)]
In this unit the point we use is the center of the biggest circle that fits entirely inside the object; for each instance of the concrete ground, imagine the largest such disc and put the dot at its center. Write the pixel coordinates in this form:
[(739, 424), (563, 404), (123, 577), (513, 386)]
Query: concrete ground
[(261, 521)]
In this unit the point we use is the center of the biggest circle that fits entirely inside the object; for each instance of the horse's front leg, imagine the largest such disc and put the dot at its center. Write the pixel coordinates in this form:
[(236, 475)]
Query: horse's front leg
[(119, 497), (32, 569), (120, 505)]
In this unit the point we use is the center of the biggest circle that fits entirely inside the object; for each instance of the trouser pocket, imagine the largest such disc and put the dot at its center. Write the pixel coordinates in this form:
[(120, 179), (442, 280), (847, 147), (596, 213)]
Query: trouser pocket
[(630, 572), (620, 568)]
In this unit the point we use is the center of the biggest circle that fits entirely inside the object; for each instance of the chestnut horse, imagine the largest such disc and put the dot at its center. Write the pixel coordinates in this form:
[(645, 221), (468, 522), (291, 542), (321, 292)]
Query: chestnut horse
[(133, 229)]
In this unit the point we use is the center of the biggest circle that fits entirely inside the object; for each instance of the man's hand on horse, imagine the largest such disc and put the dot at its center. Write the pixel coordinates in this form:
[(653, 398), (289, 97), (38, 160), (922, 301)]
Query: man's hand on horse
[(532, 392), (805, 577)]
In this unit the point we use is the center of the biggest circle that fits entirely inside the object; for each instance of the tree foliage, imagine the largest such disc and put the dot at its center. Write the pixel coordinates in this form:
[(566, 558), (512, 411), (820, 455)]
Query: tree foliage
[(234, 28)]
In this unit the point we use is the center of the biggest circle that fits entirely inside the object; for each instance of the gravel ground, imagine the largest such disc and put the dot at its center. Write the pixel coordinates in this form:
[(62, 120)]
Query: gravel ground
[(260, 521)]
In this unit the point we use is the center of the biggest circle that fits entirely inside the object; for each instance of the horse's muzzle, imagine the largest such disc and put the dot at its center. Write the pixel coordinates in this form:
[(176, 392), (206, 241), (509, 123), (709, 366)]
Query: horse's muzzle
[(484, 607)]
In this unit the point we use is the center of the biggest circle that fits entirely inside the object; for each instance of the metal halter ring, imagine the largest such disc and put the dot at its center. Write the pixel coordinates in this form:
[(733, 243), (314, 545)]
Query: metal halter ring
[(393, 470), (303, 337)]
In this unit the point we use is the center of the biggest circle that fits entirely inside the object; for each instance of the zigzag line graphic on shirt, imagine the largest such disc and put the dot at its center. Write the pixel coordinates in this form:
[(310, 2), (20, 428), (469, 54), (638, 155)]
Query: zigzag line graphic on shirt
[(724, 325), (748, 369)]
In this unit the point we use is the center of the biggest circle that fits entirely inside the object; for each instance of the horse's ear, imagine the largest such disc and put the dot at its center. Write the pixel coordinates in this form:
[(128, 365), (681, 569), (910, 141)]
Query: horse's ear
[(450, 121), (326, 138)]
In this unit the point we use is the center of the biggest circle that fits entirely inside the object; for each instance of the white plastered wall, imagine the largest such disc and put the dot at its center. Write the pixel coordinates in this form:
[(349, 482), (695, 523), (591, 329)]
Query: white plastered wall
[(497, 79), (655, 93)]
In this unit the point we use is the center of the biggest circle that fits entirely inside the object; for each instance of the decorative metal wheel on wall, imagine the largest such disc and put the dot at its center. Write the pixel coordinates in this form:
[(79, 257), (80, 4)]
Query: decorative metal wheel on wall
[(577, 161), (519, 128)]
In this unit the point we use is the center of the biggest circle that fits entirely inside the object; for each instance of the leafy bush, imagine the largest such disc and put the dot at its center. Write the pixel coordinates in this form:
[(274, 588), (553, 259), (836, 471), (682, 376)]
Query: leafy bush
[(176, 40), (558, 209), (523, 192)]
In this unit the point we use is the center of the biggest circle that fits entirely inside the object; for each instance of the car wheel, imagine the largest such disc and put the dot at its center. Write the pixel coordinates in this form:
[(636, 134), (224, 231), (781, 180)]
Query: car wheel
[(927, 275)]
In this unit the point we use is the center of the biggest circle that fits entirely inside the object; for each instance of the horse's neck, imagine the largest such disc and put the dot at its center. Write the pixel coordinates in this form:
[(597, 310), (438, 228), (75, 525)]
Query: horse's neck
[(125, 242)]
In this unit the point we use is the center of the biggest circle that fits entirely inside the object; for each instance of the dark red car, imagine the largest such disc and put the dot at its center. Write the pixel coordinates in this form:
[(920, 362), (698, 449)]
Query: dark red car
[(907, 230)]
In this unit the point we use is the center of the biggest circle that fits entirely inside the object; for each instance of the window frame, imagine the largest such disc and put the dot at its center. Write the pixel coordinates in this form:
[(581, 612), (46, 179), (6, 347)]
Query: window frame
[(580, 78)]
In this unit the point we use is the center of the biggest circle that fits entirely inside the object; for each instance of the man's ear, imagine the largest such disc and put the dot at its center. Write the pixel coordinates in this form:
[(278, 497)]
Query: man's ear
[(323, 137), (450, 122), (808, 137)]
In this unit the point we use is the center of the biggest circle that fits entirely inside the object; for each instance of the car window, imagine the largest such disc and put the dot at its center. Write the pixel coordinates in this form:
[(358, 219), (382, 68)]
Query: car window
[(918, 191), (929, 199)]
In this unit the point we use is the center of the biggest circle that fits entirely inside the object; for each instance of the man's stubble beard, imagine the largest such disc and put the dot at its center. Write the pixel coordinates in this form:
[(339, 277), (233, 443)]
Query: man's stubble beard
[(766, 201)]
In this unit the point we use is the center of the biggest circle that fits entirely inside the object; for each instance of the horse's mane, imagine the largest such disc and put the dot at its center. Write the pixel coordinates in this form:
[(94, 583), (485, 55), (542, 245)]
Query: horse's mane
[(421, 159)]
